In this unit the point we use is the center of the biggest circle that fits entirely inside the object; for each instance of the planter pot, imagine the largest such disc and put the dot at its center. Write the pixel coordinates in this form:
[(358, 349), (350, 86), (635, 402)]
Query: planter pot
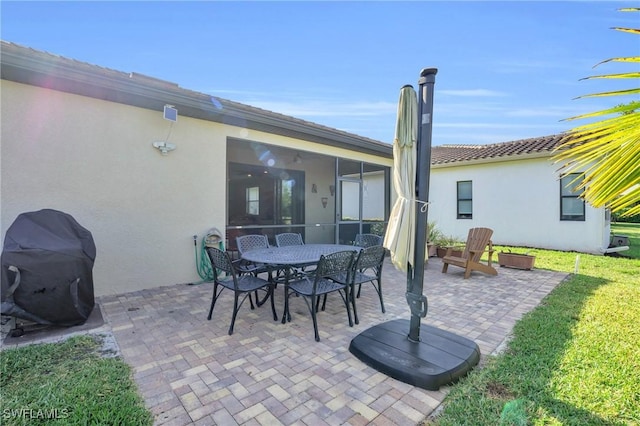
[(516, 260), (442, 252), (432, 250)]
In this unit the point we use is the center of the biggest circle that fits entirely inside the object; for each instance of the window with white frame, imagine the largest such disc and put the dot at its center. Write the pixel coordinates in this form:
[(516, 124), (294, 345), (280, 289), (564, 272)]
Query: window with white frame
[(465, 200), (571, 205), (253, 200)]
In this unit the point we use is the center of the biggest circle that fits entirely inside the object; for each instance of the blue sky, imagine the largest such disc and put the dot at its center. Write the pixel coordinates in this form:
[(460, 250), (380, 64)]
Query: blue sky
[(506, 70)]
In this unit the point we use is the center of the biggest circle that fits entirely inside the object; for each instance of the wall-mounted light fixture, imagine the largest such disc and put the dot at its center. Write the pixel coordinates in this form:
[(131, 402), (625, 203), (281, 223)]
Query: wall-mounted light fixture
[(164, 147), (297, 159)]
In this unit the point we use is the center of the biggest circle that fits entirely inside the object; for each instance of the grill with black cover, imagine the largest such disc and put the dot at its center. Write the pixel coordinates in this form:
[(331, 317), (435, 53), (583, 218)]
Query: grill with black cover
[(47, 269)]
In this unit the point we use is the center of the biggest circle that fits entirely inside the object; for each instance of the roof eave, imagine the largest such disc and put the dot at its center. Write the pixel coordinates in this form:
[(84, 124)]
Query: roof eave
[(62, 74)]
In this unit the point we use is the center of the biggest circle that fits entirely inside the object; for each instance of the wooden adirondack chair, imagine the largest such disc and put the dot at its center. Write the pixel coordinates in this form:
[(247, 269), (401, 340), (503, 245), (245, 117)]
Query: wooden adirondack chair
[(478, 242)]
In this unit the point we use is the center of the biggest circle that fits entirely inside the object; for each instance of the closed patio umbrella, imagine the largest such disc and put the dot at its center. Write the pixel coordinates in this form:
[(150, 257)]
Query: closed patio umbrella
[(440, 357), (400, 235)]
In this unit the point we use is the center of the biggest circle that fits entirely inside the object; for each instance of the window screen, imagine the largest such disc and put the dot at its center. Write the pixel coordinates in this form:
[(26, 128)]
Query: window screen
[(465, 200)]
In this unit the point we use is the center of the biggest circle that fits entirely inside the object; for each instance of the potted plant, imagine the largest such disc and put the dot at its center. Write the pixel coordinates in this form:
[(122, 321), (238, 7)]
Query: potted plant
[(432, 238), (516, 260), (444, 243)]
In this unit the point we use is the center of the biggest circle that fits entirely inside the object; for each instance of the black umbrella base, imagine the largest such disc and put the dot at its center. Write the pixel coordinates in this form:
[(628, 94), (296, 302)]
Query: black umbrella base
[(440, 358)]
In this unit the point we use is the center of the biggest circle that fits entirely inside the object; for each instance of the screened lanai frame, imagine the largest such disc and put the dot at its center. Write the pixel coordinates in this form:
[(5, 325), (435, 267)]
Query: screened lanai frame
[(327, 199)]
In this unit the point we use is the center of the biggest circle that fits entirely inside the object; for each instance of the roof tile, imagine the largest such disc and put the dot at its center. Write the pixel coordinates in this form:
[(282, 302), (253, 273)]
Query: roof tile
[(445, 154)]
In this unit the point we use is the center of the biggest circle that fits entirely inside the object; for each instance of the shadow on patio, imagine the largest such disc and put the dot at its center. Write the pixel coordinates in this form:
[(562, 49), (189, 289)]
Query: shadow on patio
[(190, 371)]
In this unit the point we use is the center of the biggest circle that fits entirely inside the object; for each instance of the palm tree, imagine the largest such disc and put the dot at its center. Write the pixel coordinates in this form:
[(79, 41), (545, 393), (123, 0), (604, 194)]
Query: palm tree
[(607, 152)]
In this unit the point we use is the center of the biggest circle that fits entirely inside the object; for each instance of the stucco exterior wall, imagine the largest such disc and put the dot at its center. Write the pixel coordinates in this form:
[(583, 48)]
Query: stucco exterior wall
[(520, 201), (94, 160)]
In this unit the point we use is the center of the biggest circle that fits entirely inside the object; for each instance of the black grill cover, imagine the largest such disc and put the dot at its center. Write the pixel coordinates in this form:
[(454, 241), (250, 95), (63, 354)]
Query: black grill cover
[(47, 262)]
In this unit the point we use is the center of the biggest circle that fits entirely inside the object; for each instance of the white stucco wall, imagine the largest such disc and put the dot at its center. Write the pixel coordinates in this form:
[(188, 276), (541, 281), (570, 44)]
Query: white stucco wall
[(520, 201), (94, 160)]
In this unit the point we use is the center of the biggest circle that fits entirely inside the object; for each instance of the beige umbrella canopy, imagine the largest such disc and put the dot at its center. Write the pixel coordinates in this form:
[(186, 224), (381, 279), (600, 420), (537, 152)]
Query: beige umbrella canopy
[(400, 235), (442, 356)]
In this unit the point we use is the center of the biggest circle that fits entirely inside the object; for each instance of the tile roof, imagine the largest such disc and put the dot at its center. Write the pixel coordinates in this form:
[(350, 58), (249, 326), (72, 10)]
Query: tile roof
[(446, 154)]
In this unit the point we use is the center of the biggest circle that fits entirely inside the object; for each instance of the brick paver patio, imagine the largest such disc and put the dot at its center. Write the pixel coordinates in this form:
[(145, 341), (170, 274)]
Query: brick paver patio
[(190, 371)]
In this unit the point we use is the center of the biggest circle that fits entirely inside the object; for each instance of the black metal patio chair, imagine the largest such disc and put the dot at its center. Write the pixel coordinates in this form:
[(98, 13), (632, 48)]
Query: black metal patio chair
[(226, 277), (289, 239), (367, 240), (244, 243), (367, 267), (292, 239), (318, 283)]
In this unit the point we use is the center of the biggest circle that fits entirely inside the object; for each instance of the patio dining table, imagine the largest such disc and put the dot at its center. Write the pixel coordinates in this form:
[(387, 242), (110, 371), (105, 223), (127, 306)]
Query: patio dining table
[(289, 257)]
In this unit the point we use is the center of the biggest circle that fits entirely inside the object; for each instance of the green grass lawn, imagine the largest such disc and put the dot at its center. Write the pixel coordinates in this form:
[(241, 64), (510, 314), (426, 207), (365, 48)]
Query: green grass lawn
[(574, 360), (68, 383)]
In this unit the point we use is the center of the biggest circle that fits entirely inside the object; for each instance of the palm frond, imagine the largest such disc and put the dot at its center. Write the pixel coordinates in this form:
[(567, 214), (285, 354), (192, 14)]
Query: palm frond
[(616, 93), (628, 59), (625, 75), (628, 30), (619, 109), (606, 153)]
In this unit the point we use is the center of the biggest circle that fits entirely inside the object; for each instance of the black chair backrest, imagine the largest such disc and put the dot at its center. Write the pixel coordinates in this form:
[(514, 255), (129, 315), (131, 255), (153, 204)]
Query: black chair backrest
[(370, 257), (289, 239), (334, 264), (367, 240), (251, 242), (222, 264), (220, 260)]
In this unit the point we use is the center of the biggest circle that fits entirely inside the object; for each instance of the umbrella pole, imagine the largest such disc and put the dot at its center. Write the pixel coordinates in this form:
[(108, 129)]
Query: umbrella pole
[(442, 356), (416, 300)]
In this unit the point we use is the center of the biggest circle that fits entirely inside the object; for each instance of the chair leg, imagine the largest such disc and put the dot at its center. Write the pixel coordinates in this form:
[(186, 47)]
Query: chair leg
[(285, 314), (213, 299), (353, 303), (347, 299), (272, 290), (324, 302), (313, 317), (381, 301), (235, 312), (467, 271), (379, 290), (258, 301)]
